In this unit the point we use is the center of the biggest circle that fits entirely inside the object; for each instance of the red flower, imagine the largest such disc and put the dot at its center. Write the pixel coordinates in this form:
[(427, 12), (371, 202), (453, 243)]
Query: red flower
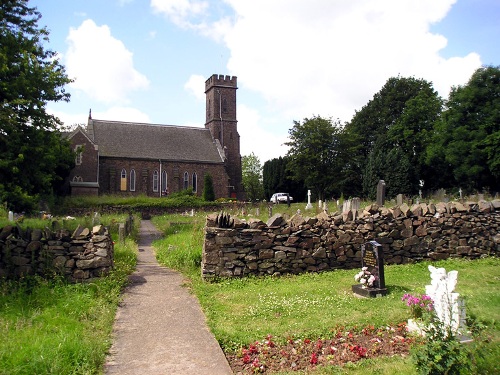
[(319, 344), (246, 359), (314, 359)]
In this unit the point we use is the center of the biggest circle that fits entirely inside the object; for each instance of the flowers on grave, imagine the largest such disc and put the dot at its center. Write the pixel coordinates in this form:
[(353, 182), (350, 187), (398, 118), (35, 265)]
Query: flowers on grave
[(365, 278), (419, 305)]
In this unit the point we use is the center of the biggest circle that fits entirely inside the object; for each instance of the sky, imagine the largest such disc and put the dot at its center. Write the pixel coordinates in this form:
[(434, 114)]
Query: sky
[(147, 60)]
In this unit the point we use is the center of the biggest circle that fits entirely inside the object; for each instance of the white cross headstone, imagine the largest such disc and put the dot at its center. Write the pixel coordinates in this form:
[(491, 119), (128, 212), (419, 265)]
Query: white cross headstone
[(309, 205)]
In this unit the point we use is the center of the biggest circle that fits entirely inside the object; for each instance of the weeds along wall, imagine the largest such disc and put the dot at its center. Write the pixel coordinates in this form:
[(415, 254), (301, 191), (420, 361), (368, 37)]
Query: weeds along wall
[(327, 242), (79, 256)]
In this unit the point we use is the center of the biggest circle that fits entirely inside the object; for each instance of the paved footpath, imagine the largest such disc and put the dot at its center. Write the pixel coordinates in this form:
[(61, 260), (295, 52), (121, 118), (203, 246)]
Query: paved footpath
[(159, 327)]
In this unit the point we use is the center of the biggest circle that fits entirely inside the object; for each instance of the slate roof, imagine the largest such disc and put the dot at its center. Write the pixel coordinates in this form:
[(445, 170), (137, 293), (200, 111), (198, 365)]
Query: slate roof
[(151, 141)]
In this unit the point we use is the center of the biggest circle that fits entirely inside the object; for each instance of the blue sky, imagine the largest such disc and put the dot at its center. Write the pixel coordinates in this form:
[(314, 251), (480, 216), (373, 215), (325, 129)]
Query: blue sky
[(147, 60)]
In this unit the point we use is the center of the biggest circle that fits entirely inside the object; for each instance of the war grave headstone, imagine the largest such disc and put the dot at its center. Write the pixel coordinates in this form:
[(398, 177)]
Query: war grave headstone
[(371, 277)]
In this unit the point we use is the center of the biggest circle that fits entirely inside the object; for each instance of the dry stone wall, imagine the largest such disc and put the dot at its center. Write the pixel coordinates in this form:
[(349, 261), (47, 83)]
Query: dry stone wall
[(79, 256), (326, 242)]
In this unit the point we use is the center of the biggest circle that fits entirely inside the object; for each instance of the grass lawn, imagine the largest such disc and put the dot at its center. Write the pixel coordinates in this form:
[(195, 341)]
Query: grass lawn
[(242, 311), (52, 327)]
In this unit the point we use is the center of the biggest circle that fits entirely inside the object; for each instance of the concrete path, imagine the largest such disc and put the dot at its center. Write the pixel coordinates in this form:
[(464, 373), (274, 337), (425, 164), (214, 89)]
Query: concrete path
[(160, 327)]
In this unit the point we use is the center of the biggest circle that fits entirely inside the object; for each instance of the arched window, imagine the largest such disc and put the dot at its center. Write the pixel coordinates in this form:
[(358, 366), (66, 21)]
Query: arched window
[(132, 180), (164, 183), (78, 179), (79, 154), (123, 180), (186, 180), (155, 181), (224, 105), (195, 182)]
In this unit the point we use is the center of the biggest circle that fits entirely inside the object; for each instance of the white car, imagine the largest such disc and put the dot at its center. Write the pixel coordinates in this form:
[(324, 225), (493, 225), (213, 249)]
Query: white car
[(280, 198)]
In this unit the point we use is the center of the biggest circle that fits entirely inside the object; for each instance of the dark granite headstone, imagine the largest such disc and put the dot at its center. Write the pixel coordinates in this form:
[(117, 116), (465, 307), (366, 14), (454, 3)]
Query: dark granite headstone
[(372, 257), (381, 192)]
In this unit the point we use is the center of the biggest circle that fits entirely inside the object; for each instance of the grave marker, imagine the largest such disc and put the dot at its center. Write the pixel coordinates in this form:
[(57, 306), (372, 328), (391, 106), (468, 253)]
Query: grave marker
[(372, 257), (309, 205), (381, 193)]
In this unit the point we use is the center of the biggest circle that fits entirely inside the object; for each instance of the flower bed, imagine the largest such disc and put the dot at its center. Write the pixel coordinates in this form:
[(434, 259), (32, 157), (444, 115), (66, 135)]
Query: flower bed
[(345, 346)]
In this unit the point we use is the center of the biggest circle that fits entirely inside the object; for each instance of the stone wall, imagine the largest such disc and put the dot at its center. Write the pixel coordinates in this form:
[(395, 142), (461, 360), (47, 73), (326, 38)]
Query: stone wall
[(79, 256), (326, 242)]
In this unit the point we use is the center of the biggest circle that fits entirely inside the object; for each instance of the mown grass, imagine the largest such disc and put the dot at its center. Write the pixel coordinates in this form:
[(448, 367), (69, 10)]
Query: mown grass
[(240, 311), (52, 327)]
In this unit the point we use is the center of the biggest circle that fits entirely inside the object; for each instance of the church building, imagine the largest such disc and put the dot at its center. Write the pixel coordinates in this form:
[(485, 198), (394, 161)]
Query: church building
[(128, 158)]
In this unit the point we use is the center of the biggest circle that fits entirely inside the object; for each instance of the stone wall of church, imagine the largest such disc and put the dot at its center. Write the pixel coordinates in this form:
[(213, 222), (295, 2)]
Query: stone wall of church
[(110, 176), (87, 169)]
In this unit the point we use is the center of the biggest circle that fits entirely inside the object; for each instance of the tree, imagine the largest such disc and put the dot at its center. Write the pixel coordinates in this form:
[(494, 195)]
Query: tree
[(277, 178), (208, 188), (392, 132), (315, 154), (252, 177), (467, 139), (35, 157)]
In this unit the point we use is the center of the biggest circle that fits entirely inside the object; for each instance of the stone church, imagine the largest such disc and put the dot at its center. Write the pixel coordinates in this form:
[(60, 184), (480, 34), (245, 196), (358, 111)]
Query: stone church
[(127, 158)]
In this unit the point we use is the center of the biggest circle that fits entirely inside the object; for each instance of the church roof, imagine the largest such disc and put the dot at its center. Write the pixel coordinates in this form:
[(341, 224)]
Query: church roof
[(151, 141)]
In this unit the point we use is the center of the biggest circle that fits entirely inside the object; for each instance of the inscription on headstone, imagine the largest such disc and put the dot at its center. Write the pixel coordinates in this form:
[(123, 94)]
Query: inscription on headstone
[(372, 257)]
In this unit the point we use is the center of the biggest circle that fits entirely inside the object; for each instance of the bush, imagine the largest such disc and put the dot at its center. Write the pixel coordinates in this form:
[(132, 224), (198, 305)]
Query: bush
[(208, 189), (440, 352)]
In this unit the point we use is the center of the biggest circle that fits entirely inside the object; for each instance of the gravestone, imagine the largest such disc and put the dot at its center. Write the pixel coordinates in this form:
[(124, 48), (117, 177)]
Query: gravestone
[(448, 305), (309, 205), (381, 193), (355, 206), (399, 199), (372, 257)]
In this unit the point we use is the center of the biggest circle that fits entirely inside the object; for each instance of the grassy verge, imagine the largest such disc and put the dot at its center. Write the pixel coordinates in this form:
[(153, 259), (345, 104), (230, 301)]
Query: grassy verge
[(241, 311), (51, 327)]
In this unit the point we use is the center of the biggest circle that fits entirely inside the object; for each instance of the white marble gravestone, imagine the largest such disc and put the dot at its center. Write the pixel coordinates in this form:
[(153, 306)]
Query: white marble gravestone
[(309, 205), (448, 305)]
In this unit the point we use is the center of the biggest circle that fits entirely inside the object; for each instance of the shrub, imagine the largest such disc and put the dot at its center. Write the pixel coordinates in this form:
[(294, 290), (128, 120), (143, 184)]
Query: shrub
[(208, 188)]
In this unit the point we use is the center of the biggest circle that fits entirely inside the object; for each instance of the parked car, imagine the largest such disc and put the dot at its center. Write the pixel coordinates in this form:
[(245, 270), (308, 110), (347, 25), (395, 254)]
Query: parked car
[(280, 198)]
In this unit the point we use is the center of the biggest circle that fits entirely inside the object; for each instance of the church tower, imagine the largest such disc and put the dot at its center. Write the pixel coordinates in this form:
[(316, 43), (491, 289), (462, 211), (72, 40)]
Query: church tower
[(220, 92)]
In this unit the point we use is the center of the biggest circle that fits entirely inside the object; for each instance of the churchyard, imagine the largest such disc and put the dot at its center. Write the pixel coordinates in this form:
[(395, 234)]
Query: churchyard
[(308, 322), (293, 322)]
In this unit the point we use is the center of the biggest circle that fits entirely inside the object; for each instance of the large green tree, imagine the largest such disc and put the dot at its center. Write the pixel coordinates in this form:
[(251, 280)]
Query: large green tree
[(392, 132), (252, 177), (466, 141), (277, 178), (316, 155), (34, 157)]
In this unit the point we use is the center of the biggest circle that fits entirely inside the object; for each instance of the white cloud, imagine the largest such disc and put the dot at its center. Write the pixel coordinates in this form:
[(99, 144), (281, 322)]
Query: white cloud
[(255, 138), (113, 113), (127, 114), (101, 65), (328, 58), (180, 11), (196, 86)]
